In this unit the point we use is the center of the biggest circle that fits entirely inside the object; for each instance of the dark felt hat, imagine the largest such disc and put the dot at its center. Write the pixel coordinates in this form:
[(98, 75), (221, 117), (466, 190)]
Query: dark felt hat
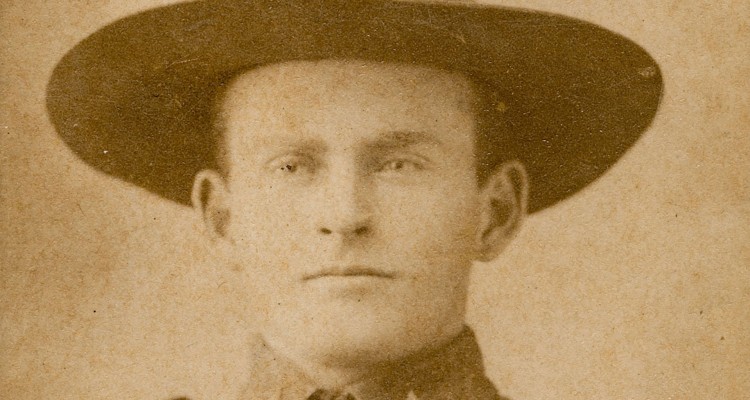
[(134, 99)]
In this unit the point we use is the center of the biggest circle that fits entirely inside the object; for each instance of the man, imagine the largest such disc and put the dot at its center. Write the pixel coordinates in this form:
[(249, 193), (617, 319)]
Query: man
[(356, 158)]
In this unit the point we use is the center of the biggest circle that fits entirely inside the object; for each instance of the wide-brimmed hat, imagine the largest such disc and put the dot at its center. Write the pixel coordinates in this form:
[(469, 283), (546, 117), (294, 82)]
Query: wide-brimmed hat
[(134, 99)]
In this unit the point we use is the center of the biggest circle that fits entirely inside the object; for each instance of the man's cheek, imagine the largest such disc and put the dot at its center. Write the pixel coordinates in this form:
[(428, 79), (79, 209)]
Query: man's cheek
[(432, 222), (257, 220)]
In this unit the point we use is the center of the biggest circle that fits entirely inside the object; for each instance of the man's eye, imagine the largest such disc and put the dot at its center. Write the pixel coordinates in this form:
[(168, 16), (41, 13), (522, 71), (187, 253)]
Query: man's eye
[(400, 166), (289, 167), (292, 166)]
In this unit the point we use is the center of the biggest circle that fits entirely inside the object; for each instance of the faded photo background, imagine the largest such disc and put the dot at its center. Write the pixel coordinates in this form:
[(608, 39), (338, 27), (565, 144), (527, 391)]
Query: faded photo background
[(638, 288)]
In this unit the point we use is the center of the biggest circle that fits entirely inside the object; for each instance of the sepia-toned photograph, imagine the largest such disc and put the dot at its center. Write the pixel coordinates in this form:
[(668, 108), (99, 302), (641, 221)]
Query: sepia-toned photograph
[(374, 200)]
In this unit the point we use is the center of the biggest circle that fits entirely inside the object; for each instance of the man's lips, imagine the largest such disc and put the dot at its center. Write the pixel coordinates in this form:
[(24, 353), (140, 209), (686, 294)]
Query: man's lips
[(349, 271)]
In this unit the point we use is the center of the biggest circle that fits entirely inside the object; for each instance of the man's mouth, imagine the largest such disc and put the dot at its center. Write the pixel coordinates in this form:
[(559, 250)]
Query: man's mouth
[(351, 271)]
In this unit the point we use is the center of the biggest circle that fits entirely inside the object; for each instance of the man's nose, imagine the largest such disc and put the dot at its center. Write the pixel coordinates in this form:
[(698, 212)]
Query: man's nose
[(346, 206)]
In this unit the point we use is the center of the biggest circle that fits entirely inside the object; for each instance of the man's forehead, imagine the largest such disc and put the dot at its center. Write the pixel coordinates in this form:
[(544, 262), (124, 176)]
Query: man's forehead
[(297, 80), (299, 96)]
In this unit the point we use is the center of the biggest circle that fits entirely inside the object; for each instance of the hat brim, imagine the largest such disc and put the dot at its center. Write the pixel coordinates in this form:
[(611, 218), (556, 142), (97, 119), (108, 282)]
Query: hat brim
[(134, 99)]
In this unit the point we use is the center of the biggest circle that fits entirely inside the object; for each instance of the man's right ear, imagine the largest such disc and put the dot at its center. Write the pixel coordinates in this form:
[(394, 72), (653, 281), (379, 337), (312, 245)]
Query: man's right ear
[(210, 198)]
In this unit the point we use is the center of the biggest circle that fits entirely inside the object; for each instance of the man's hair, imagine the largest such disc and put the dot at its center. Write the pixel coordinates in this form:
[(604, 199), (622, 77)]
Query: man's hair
[(491, 144)]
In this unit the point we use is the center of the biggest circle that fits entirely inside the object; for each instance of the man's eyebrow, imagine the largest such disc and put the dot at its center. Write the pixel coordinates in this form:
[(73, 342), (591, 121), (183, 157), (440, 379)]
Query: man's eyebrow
[(296, 144), (403, 139)]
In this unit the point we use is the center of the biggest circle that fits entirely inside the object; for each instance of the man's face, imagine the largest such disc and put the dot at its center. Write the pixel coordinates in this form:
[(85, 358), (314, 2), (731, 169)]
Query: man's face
[(353, 202)]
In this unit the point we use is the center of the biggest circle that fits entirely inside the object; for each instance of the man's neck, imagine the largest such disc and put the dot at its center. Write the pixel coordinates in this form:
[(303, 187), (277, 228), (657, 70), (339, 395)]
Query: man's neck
[(339, 373)]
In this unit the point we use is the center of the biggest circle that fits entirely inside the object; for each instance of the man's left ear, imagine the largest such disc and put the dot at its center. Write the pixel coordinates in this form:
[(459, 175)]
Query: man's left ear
[(503, 209)]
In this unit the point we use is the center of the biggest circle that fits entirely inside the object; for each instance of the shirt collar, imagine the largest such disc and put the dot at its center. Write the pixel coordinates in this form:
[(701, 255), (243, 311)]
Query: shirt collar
[(452, 371)]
